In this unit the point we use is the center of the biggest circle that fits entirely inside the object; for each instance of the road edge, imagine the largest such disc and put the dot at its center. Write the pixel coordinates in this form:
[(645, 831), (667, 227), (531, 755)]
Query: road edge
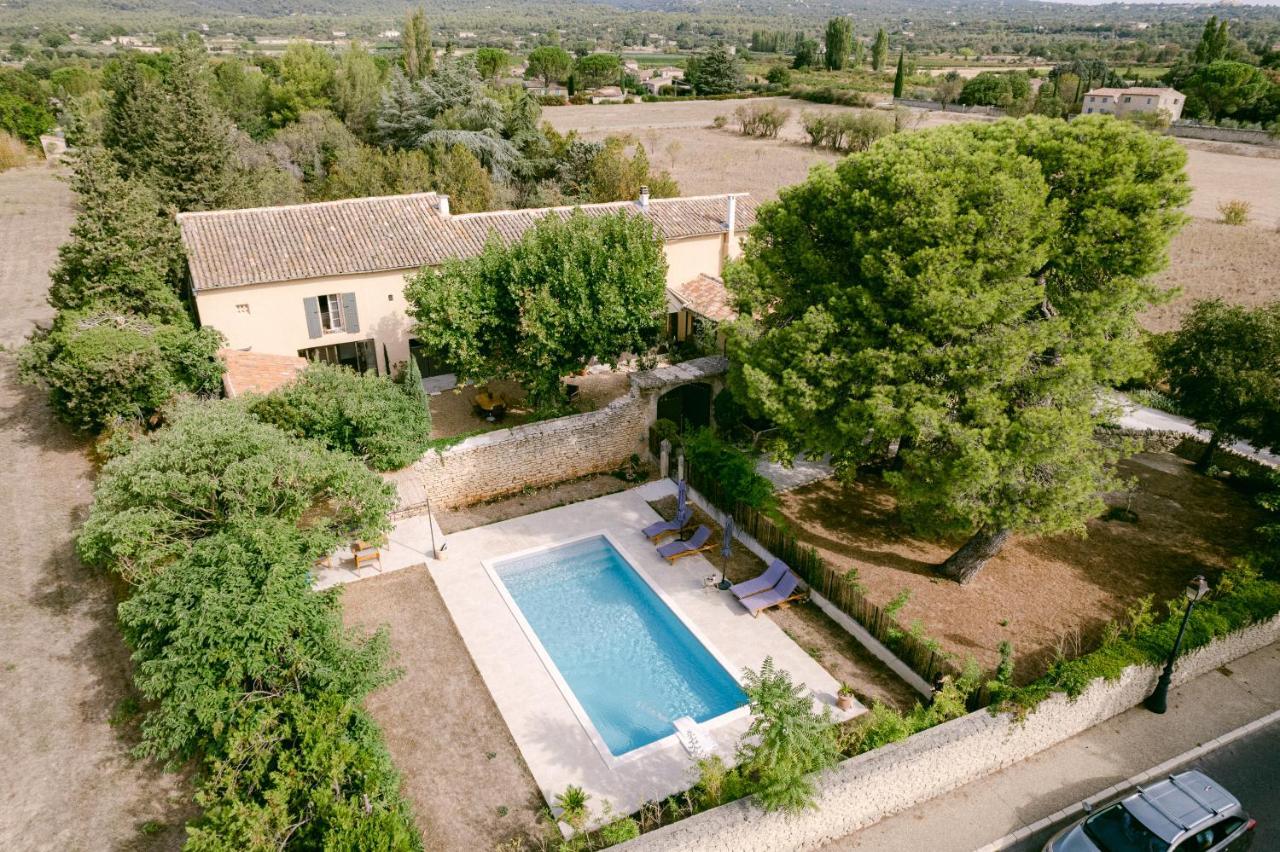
[(1131, 782)]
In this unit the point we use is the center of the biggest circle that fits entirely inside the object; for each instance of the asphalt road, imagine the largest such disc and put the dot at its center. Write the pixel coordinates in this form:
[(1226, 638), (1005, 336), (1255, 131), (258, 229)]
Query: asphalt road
[(1249, 768)]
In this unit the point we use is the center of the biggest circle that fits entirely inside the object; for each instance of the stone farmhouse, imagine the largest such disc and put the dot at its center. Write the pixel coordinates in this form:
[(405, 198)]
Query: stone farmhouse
[(1121, 102), (325, 281)]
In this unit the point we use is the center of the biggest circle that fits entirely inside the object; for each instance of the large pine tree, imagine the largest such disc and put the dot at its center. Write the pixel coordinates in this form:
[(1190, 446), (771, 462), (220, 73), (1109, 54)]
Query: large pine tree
[(959, 294)]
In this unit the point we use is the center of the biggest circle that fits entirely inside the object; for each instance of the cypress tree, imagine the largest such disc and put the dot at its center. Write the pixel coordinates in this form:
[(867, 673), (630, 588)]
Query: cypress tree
[(901, 77)]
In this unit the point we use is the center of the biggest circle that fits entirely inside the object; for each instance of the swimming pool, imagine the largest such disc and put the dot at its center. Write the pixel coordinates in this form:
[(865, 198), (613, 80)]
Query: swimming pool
[(629, 661)]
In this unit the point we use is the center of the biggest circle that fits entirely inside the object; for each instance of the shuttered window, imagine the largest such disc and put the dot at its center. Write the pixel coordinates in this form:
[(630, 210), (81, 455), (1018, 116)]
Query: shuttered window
[(331, 314)]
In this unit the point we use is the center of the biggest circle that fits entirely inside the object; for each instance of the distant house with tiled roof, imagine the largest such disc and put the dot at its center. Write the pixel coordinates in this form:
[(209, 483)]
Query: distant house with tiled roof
[(325, 281), (1119, 102)]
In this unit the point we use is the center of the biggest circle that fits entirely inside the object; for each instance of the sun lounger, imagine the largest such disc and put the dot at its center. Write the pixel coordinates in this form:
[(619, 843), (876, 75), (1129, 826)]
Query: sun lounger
[(661, 529), (783, 593), (763, 583), (673, 550)]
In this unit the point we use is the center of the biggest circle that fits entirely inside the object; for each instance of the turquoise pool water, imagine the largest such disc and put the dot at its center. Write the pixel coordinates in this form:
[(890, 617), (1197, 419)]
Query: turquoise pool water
[(631, 662)]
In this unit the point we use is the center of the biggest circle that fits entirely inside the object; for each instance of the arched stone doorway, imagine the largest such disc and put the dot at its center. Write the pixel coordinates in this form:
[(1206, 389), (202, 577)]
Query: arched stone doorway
[(688, 406)]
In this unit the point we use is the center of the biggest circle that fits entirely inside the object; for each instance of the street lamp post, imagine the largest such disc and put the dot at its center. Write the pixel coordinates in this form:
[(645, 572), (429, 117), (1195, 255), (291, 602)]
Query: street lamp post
[(1158, 701)]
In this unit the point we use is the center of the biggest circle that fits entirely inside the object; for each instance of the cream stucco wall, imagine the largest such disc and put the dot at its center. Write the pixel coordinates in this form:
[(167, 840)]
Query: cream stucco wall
[(270, 318)]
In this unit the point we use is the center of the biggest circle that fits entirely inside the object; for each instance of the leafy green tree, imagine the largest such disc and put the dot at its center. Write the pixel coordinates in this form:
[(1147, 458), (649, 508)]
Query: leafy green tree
[(492, 62), (307, 773), (225, 619), (786, 741), (123, 253), (459, 175), (215, 466), (996, 88), (367, 415), (133, 115), (597, 69), (415, 45), (549, 64), (839, 43), (242, 93), (357, 90), (72, 81), (568, 290), (1223, 366), (101, 365), (613, 176), (806, 54), (1224, 89), (23, 119), (882, 283), (879, 50), (900, 76), (715, 72), (306, 83)]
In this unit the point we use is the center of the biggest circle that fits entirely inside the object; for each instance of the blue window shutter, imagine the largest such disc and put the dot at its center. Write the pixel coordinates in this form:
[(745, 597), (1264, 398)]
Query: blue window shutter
[(350, 319), (312, 307)]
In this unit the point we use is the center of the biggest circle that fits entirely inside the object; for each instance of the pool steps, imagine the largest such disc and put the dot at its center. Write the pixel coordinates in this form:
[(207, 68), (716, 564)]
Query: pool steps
[(692, 737)]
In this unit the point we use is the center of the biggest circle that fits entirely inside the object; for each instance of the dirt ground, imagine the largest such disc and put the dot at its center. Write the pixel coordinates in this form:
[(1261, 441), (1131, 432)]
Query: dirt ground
[(812, 629), (462, 772), (66, 779), (1207, 259), (1037, 593)]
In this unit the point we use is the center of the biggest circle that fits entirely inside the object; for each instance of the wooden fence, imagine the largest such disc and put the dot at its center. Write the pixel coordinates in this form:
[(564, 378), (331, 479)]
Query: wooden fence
[(835, 586)]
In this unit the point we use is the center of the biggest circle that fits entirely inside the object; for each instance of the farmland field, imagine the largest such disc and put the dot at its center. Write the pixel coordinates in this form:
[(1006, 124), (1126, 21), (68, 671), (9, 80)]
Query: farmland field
[(1240, 263)]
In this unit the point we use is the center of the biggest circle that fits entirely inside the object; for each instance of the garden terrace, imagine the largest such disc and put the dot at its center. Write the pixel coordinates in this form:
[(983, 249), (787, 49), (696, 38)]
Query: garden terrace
[(1046, 596)]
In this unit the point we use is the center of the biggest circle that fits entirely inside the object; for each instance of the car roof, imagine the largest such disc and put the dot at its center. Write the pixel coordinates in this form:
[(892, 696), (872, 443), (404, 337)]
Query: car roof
[(1179, 804)]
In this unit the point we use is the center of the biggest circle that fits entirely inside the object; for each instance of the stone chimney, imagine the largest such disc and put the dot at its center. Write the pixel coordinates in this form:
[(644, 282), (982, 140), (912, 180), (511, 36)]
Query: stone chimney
[(442, 206), (644, 198)]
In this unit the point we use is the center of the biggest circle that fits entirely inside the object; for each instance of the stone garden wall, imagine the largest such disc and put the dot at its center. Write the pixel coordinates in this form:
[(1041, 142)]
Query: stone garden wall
[(506, 461), (872, 786)]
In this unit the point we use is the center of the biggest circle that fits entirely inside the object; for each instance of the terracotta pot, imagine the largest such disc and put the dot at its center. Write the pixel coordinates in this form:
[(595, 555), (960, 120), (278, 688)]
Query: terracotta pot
[(844, 702)]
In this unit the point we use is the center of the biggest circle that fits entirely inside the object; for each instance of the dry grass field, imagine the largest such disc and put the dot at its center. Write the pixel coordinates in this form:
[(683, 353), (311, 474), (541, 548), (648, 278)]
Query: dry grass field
[(1207, 258), (67, 781)]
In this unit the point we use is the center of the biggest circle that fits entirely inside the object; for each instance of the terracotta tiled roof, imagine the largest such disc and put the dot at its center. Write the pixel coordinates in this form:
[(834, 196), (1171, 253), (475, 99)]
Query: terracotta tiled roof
[(257, 372), (233, 248), (705, 296)]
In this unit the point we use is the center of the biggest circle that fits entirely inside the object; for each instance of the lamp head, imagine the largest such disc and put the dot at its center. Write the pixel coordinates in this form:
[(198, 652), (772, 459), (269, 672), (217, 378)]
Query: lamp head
[(1197, 588)]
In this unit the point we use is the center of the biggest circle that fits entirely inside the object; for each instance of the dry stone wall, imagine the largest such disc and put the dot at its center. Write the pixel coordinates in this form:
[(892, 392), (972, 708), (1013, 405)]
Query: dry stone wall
[(872, 786), (536, 454)]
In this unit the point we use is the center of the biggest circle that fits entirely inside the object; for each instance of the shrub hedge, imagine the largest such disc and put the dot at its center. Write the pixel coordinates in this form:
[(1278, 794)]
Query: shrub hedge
[(385, 422)]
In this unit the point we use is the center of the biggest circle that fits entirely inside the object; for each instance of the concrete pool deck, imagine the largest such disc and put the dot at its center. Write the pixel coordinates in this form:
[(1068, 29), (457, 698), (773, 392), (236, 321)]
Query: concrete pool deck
[(556, 746)]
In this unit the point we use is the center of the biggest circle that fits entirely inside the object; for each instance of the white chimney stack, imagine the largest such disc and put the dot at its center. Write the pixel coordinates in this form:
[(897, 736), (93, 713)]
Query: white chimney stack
[(442, 205), (644, 198), (731, 221)]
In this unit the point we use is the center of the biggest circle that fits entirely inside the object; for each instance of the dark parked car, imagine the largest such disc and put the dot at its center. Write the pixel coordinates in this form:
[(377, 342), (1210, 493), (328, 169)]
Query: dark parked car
[(1187, 812)]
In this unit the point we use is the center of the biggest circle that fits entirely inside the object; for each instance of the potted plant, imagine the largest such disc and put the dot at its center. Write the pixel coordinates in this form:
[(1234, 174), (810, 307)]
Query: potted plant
[(844, 697)]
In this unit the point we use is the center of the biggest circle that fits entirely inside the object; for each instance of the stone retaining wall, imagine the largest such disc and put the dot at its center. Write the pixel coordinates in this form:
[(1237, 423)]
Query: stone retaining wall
[(505, 461), (872, 786), (1224, 134)]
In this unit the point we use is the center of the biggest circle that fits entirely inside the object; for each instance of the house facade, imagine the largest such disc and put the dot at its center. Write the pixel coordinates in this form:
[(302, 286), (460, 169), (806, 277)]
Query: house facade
[(1120, 102), (325, 281)]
